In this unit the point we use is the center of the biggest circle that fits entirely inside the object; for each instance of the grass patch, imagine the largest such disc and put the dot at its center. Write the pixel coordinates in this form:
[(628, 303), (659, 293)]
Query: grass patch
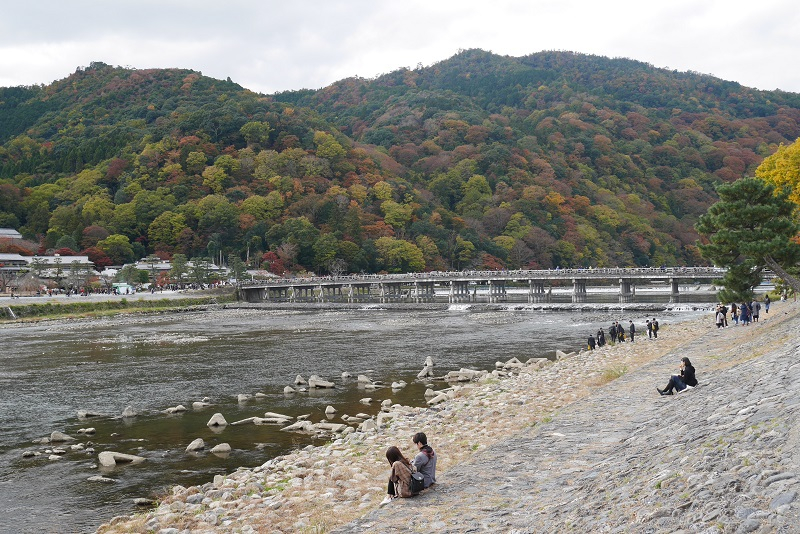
[(57, 310), (611, 373)]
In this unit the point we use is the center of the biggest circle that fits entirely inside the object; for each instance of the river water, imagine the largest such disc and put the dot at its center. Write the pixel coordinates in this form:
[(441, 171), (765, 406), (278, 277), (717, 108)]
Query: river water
[(49, 371)]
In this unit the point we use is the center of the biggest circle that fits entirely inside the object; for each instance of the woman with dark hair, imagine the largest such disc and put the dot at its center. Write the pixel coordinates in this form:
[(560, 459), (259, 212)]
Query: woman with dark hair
[(681, 381), (400, 479)]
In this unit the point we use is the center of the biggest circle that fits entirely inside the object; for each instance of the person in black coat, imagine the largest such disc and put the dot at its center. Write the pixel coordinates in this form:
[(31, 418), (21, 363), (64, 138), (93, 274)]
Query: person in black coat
[(679, 382)]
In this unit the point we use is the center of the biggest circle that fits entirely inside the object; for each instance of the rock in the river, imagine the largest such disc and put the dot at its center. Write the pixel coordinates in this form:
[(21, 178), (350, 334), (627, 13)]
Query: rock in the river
[(199, 405), (399, 385), (58, 437), (289, 389), (142, 501), (217, 420), (330, 410), (222, 448), (364, 379), (317, 382), (300, 381), (110, 458), (366, 400), (345, 374), (90, 430), (244, 397), (100, 478), (196, 445), (129, 412), (29, 454), (84, 414)]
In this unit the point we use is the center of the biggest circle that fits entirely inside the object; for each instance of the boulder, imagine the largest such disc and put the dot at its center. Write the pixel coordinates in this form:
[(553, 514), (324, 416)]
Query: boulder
[(110, 458), (100, 478), (300, 426), (366, 400), (199, 405), (317, 382), (330, 410), (345, 374), (129, 412), (59, 437), (289, 390), (83, 414), (222, 448), (386, 403), (196, 445), (300, 381), (538, 362), (248, 421), (430, 393), (260, 395), (330, 427), (364, 379), (372, 387), (217, 420), (441, 397), (54, 457), (244, 397), (277, 415), (399, 384), (368, 426), (426, 371), (142, 501), (428, 362)]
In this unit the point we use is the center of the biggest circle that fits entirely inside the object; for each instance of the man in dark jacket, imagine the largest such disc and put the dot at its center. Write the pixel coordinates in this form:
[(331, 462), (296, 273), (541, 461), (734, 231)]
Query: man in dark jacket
[(425, 460), (632, 330)]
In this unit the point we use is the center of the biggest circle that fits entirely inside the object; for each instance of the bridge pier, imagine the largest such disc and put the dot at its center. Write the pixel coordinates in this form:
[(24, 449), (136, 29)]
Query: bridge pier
[(459, 291), (578, 290), (358, 292), (627, 291), (331, 293), (674, 296), (536, 292), (390, 291), (497, 291), (424, 291)]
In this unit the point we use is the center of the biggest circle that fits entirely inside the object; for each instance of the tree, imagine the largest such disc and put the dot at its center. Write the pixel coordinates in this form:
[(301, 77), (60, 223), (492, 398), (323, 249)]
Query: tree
[(255, 133), (200, 270), (118, 248), (237, 266), (782, 169), (399, 256), (179, 269), (750, 228)]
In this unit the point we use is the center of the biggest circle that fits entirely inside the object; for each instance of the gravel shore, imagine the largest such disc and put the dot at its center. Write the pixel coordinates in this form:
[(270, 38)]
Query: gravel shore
[(584, 444)]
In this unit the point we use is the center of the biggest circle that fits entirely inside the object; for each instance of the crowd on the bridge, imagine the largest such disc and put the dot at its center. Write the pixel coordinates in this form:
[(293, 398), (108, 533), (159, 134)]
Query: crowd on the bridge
[(741, 314), (619, 334)]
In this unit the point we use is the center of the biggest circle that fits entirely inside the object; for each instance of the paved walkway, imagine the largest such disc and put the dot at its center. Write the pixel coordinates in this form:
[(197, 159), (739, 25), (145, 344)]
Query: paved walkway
[(724, 457)]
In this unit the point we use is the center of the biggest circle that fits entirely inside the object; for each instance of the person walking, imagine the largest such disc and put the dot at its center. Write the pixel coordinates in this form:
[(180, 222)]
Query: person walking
[(720, 318), (649, 329), (766, 304), (735, 314), (601, 338), (632, 330), (612, 333), (655, 328), (592, 343)]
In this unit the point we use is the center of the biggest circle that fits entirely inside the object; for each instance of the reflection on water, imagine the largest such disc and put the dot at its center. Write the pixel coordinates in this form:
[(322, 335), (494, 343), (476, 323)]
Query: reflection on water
[(155, 362)]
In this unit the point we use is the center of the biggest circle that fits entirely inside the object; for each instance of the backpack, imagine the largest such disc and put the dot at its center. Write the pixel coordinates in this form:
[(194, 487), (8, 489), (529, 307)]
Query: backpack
[(417, 482)]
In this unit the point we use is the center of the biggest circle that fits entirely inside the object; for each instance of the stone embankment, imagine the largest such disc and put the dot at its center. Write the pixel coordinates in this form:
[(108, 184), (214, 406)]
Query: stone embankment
[(585, 444)]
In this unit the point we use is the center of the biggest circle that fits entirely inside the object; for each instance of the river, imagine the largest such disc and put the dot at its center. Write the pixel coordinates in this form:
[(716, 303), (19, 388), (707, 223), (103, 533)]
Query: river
[(51, 370)]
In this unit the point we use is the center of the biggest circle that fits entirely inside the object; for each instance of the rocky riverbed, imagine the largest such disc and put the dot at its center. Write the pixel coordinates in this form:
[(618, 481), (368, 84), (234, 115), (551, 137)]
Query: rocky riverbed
[(584, 444)]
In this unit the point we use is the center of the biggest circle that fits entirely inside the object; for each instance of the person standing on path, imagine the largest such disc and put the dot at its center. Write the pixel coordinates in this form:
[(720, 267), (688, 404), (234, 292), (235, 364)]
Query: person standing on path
[(592, 343), (601, 338), (612, 333), (680, 381), (632, 330), (720, 318), (649, 329), (735, 314), (744, 314), (655, 328), (755, 306), (425, 460), (766, 304)]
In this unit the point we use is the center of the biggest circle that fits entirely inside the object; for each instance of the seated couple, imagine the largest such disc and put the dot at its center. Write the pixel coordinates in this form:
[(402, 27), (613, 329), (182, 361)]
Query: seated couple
[(400, 479)]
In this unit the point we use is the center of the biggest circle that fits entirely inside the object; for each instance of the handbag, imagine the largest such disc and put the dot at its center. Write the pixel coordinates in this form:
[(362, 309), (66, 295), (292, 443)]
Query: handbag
[(417, 483)]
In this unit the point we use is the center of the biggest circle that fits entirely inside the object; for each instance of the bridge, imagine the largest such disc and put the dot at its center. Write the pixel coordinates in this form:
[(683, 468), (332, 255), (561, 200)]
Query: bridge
[(462, 286)]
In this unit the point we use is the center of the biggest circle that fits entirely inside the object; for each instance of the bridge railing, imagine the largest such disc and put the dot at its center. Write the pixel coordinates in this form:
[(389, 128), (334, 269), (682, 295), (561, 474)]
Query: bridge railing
[(519, 274)]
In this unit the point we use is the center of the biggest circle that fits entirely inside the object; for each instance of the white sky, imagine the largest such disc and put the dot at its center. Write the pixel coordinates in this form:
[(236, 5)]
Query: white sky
[(270, 45)]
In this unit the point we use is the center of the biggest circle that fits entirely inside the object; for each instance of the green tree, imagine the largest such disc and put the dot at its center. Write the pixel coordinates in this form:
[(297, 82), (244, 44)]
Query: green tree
[(255, 133), (399, 256), (750, 228), (179, 269), (118, 248)]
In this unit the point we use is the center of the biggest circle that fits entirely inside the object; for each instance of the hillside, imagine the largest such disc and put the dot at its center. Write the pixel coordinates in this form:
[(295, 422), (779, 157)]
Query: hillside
[(477, 161)]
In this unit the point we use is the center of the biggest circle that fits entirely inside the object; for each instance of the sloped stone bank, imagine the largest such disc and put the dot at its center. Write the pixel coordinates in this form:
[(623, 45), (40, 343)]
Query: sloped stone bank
[(567, 447)]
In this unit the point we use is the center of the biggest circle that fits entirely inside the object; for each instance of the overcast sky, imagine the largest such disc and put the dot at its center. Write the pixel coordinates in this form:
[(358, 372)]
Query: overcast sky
[(270, 46)]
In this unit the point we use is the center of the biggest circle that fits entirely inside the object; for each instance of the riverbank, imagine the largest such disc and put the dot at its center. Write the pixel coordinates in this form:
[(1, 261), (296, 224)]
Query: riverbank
[(585, 444), (100, 305)]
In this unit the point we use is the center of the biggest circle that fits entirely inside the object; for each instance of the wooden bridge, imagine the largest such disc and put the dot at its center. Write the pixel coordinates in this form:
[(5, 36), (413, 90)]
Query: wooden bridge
[(463, 286)]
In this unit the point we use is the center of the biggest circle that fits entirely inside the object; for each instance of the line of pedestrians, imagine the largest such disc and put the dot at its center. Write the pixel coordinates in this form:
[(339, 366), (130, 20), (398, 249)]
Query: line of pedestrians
[(617, 334)]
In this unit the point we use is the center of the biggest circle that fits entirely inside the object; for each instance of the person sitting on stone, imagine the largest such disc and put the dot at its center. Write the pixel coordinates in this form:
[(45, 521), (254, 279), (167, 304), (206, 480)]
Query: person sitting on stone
[(400, 479), (681, 381), (425, 460)]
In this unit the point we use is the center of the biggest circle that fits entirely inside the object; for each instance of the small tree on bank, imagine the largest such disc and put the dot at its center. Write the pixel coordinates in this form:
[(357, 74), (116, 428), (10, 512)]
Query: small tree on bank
[(750, 228)]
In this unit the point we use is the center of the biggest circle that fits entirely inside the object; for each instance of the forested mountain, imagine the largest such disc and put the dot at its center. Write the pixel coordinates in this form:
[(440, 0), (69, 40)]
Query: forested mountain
[(477, 161)]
